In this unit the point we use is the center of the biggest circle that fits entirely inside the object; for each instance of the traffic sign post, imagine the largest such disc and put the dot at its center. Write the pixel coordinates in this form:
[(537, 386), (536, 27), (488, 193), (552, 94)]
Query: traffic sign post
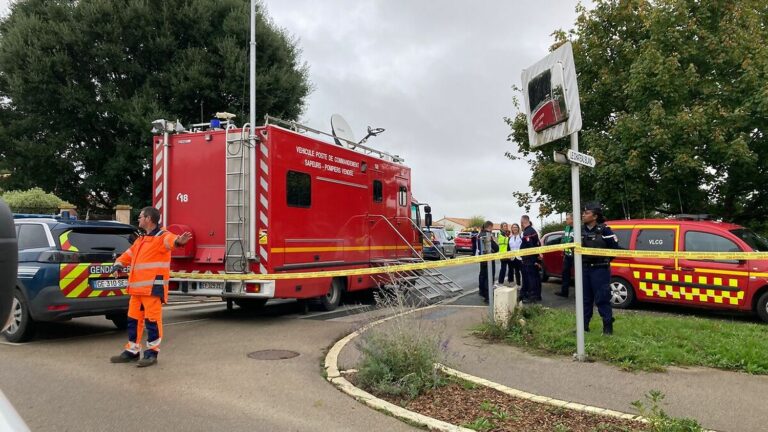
[(551, 97)]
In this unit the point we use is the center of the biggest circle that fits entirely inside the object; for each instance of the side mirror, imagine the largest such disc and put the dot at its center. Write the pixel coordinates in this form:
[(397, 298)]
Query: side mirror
[(428, 219)]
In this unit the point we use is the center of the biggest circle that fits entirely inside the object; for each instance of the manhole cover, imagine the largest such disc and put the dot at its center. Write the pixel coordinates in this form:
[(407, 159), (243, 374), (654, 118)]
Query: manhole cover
[(272, 354)]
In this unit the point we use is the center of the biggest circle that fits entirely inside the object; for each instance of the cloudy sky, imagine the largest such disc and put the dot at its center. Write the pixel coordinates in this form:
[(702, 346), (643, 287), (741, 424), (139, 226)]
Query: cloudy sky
[(437, 76)]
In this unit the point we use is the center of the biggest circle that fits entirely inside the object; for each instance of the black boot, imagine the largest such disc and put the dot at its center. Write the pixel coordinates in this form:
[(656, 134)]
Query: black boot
[(608, 327)]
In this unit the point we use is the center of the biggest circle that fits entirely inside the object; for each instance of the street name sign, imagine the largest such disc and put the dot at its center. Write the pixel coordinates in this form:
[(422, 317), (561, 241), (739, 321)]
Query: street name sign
[(581, 158)]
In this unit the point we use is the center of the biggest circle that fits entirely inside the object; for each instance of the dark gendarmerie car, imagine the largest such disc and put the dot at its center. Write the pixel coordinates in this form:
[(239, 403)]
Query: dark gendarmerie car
[(63, 272)]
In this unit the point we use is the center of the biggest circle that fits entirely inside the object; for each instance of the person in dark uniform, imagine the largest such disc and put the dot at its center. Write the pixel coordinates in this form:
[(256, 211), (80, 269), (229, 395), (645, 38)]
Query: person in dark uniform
[(480, 246), (565, 277), (596, 269), (531, 292)]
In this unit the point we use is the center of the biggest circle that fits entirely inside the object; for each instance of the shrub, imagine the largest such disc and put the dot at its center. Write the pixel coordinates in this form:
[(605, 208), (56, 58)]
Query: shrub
[(398, 357), (33, 200), (659, 420), (551, 227)]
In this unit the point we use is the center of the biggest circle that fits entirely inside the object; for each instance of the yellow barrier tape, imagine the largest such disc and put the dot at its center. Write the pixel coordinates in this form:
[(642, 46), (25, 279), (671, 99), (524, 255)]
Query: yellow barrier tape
[(616, 253), (374, 270), (622, 253)]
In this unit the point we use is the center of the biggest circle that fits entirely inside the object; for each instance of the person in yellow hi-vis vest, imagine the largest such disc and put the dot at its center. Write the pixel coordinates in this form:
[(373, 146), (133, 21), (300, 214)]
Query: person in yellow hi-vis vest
[(506, 263), (149, 259)]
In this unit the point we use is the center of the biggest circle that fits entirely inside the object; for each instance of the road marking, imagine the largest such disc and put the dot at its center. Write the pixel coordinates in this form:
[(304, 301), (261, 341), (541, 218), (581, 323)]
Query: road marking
[(186, 322), (13, 343), (195, 306), (342, 309)]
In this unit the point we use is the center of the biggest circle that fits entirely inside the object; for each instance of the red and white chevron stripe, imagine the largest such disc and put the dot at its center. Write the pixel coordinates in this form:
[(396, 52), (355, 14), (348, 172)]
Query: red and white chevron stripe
[(263, 202), (157, 180)]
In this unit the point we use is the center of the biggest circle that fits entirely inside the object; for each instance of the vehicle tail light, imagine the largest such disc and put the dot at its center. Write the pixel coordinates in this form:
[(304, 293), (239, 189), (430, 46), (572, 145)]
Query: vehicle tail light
[(252, 288), (58, 308)]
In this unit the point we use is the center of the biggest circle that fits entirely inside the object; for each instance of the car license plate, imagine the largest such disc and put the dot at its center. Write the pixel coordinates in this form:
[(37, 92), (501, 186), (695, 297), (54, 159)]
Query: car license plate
[(110, 283), (212, 285)]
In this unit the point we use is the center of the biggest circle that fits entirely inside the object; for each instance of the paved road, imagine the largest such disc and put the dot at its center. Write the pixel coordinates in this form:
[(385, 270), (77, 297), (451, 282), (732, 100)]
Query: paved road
[(63, 381), (204, 381)]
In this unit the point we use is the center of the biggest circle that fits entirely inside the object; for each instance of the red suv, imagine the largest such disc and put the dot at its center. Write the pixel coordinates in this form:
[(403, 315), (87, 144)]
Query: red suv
[(463, 242), (740, 285)]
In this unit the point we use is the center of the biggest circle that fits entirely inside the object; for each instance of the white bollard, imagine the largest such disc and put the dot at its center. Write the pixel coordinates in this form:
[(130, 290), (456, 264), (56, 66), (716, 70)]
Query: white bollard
[(504, 304)]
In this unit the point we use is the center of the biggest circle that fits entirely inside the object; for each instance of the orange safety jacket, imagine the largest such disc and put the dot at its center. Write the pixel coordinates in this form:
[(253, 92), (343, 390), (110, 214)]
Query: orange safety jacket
[(150, 261)]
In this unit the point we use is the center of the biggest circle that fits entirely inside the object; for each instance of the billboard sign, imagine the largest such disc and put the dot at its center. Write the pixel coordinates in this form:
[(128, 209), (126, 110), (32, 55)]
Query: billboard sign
[(552, 97)]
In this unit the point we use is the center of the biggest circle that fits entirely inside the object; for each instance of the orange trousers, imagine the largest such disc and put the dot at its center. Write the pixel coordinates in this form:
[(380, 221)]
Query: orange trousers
[(145, 312)]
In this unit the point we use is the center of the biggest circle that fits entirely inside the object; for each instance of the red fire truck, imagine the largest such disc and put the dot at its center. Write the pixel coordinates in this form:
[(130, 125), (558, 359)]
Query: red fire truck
[(280, 198)]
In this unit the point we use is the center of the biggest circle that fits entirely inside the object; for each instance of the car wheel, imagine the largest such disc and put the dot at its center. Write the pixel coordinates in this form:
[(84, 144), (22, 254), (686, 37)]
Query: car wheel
[(622, 293), (331, 300), (22, 325), (119, 320), (250, 305), (762, 306)]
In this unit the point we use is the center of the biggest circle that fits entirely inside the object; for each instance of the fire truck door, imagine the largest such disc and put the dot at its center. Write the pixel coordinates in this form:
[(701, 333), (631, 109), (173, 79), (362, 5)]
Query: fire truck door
[(381, 234)]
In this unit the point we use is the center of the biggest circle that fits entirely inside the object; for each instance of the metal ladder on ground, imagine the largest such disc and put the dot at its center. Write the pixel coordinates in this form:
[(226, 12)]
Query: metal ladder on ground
[(424, 285), (236, 231)]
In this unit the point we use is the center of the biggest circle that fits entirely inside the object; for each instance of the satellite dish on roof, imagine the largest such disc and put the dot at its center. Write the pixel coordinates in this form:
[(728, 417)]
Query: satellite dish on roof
[(341, 130)]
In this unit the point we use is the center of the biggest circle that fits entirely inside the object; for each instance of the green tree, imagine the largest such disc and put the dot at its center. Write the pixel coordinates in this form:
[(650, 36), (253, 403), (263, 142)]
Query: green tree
[(34, 200), (674, 99), (476, 222), (82, 80)]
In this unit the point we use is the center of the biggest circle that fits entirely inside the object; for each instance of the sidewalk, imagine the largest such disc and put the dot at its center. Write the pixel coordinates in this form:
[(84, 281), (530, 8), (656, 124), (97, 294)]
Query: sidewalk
[(724, 401)]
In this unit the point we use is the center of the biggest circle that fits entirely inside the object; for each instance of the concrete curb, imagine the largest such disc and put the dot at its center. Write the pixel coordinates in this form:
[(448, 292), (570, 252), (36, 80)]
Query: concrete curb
[(335, 377)]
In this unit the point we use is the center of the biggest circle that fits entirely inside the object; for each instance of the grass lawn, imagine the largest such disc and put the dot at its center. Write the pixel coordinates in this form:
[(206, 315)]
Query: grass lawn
[(641, 341)]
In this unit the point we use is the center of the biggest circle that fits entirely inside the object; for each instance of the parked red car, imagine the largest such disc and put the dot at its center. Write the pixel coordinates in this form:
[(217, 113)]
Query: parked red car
[(552, 265), (463, 242), (739, 285)]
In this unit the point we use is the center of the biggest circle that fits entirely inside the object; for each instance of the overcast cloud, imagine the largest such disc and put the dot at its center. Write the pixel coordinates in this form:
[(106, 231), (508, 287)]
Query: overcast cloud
[(437, 76)]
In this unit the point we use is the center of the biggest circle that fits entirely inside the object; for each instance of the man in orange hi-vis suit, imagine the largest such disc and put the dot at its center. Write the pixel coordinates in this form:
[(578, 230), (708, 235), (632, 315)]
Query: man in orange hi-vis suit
[(149, 259)]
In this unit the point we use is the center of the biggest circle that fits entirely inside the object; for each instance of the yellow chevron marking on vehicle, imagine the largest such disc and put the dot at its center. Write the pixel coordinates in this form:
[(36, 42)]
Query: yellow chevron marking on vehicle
[(703, 295), (79, 289)]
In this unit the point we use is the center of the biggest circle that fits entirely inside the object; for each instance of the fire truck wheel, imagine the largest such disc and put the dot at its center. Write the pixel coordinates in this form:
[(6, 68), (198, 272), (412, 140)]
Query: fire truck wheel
[(331, 300), (250, 304), (622, 293), (22, 325), (762, 306)]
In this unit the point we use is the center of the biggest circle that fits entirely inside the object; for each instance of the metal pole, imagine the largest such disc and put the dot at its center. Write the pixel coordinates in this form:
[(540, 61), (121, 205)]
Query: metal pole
[(575, 197), (490, 287), (252, 175), (164, 213)]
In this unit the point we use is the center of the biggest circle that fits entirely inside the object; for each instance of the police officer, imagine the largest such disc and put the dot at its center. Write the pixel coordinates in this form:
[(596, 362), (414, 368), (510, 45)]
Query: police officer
[(482, 244), (531, 292), (596, 269)]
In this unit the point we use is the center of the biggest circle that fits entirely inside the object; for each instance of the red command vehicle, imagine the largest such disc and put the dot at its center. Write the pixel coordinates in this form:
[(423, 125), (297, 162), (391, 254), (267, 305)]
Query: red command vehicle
[(733, 284), (289, 202)]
